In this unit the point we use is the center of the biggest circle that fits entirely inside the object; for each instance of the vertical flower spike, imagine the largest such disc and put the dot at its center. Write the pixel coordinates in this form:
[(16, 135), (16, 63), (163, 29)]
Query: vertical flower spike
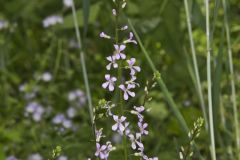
[(110, 82), (131, 66), (127, 91), (119, 49)]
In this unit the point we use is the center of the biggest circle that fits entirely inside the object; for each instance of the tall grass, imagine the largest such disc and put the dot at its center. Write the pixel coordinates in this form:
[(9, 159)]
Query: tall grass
[(233, 89), (209, 82), (195, 64), (84, 69)]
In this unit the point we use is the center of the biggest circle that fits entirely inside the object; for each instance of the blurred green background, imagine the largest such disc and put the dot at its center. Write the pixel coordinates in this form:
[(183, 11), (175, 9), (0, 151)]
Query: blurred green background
[(28, 50)]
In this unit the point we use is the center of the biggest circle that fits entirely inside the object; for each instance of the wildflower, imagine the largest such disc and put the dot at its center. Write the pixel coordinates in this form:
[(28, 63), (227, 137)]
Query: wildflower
[(124, 4), (104, 35), (11, 158), (124, 28), (117, 138), (130, 39), (3, 24), (142, 127), (119, 49), (136, 141), (109, 106), (138, 111), (98, 134), (77, 96), (112, 60), (46, 77), (71, 112), (127, 91), (68, 3), (35, 156), (52, 20), (36, 110), (118, 126), (131, 66), (58, 119), (103, 151), (62, 158), (127, 130), (110, 82), (132, 82), (67, 123), (114, 12)]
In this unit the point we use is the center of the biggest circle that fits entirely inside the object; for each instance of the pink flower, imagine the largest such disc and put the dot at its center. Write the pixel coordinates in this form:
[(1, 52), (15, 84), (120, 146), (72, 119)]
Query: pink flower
[(109, 83)]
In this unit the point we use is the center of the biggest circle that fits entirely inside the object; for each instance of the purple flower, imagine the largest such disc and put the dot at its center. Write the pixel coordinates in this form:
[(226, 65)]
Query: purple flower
[(77, 96), (119, 49), (130, 39), (132, 82), (104, 35), (35, 156), (138, 111), (127, 91), (142, 127), (11, 158), (109, 83), (71, 112), (36, 110), (118, 126), (62, 158), (58, 119), (136, 141), (113, 63), (103, 151), (127, 130), (131, 66), (99, 135)]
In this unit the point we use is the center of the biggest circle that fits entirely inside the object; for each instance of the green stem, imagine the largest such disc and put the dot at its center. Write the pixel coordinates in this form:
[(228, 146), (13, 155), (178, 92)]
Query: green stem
[(84, 69), (195, 64), (120, 74), (233, 89), (209, 81)]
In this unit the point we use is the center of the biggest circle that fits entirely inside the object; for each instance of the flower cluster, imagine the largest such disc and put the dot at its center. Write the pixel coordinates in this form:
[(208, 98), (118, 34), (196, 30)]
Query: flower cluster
[(117, 61)]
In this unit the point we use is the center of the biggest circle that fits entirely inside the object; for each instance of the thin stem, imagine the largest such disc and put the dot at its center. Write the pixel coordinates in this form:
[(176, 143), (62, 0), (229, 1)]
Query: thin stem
[(120, 74), (209, 81), (195, 64), (233, 89), (84, 69)]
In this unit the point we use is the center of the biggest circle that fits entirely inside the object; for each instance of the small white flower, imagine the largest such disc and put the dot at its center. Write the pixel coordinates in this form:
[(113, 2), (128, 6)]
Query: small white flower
[(114, 12), (46, 77), (52, 20), (35, 156), (68, 3)]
